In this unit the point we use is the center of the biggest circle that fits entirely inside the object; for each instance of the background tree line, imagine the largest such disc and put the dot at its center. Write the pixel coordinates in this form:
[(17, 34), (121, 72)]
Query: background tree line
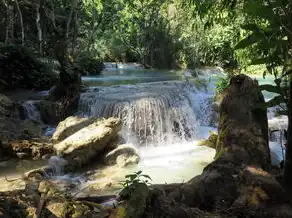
[(157, 33)]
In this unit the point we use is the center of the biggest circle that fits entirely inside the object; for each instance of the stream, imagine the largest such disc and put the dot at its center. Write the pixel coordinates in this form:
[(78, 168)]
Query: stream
[(163, 116)]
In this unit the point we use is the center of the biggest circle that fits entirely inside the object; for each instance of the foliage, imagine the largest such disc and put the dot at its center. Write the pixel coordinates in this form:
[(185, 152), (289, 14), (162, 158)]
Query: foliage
[(268, 38), (132, 181), (221, 84), (19, 68), (90, 65), (159, 34)]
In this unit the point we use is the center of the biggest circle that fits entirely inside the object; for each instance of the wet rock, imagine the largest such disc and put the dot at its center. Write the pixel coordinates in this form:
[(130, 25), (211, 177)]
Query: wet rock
[(32, 149), (211, 141), (39, 173), (47, 203), (88, 142), (123, 155), (136, 201), (70, 126), (124, 160), (243, 124), (22, 155)]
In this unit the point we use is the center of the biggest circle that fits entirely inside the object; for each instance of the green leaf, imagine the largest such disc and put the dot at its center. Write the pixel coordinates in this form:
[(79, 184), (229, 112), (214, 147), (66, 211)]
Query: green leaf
[(275, 101), (248, 41), (252, 27), (131, 176), (271, 88), (260, 61), (257, 9), (146, 176), (139, 172)]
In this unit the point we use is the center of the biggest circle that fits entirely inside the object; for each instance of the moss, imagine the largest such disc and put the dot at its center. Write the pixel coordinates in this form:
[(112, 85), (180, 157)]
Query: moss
[(119, 212), (211, 141), (220, 152), (256, 195), (137, 203), (80, 210)]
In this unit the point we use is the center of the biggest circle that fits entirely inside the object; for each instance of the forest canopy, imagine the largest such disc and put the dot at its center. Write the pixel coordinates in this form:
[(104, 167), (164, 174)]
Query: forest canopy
[(158, 34)]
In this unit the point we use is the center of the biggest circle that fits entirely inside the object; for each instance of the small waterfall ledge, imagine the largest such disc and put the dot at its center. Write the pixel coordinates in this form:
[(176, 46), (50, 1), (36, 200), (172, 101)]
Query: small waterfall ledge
[(31, 111), (152, 113)]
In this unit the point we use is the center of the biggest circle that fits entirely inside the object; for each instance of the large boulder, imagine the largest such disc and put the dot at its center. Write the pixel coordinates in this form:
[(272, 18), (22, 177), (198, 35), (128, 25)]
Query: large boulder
[(71, 125), (88, 142), (243, 124), (123, 155), (32, 149)]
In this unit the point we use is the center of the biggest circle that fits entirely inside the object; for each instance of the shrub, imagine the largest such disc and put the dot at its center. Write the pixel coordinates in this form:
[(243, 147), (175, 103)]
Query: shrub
[(20, 68), (221, 84), (89, 65)]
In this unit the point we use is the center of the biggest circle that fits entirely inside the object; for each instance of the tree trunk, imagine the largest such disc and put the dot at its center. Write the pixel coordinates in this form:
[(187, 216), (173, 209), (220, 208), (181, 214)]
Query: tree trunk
[(288, 159), (53, 13), (73, 7), (39, 28), (10, 24), (21, 22), (75, 32), (7, 21)]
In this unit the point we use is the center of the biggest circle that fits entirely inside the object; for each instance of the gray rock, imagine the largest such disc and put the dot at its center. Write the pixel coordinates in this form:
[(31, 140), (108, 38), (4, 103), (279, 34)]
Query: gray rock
[(79, 148), (123, 155), (70, 126)]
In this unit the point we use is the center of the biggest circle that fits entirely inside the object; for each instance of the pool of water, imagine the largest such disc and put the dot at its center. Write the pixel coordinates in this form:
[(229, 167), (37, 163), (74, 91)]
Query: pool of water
[(130, 76)]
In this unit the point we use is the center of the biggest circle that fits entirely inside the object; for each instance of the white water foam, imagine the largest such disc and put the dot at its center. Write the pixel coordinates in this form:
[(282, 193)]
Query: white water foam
[(153, 113), (31, 111)]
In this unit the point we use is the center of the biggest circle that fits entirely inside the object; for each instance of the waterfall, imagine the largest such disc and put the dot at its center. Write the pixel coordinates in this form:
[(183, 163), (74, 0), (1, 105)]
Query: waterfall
[(31, 111), (152, 113)]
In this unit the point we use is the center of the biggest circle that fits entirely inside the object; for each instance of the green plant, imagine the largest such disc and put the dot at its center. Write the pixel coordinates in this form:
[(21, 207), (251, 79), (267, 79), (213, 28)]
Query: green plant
[(89, 65), (132, 181), (221, 84), (20, 68)]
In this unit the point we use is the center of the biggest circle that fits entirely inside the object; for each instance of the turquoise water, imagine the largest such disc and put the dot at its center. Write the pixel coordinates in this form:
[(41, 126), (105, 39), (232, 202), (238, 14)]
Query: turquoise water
[(130, 76), (267, 80)]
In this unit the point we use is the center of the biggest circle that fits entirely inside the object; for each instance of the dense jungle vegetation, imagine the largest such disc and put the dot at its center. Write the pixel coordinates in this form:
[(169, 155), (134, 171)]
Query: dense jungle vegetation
[(159, 34)]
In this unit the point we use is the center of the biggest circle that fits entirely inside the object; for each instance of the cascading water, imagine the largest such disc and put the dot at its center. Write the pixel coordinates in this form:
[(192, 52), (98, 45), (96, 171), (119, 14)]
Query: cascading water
[(152, 113), (31, 111)]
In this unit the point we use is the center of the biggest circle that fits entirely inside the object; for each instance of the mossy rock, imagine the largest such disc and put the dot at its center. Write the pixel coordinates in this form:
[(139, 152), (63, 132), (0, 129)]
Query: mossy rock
[(211, 141)]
